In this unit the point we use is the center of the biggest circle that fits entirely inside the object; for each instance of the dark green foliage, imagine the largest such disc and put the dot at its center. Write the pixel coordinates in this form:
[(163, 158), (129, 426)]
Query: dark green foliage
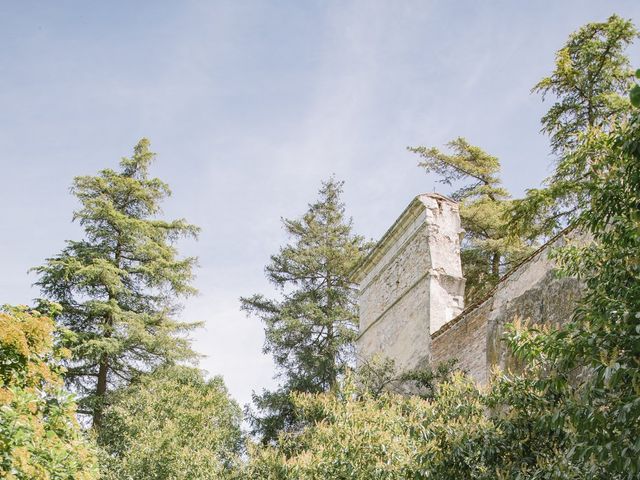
[(634, 94), (605, 334), (310, 329), (590, 85), (118, 285), (581, 381), (378, 375), (488, 249), (425, 381)]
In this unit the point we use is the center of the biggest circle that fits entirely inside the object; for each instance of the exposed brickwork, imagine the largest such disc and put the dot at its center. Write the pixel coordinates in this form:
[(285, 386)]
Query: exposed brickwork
[(411, 291), (466, 341)]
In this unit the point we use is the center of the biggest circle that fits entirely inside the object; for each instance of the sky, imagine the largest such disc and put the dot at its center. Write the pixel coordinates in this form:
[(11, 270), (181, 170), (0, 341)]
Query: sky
[(250, 105)]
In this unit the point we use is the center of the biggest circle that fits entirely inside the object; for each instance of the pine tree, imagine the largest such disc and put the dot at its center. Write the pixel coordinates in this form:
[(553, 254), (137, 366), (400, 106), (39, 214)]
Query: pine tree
[(118, 285), (310, 330), (590, 82), (590, 85), (487, 248)]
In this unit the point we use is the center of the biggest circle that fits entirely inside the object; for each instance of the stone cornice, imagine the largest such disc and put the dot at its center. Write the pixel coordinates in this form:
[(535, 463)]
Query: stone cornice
[(413, 210)]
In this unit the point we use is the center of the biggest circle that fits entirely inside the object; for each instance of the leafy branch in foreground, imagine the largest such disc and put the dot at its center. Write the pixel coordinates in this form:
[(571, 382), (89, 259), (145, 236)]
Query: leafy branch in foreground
[(40, 438), (603, 340)]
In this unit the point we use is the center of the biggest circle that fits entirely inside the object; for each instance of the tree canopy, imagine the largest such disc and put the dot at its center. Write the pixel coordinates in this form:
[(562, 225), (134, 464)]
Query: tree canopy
[(171, 424), (590, 82), (352, 434), (590, 85), (117, 287), (310, 330)]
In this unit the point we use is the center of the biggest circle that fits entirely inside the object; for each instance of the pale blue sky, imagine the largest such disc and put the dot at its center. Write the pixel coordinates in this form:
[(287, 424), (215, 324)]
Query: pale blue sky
[(250, 105)]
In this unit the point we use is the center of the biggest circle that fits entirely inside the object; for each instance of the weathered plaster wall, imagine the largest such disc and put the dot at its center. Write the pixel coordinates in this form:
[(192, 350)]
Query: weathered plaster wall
[(412, 282), (411, 291), (533, 292)]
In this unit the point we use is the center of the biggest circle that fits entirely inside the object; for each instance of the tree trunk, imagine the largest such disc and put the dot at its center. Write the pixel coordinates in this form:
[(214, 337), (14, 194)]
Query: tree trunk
[(495, 264), (101, 390), (330, 333), (103, 370)]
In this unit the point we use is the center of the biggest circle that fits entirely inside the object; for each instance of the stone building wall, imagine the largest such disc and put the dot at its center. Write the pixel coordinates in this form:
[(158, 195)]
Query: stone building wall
[(411, 291), (533, 292), (465, 340), (411, 284)]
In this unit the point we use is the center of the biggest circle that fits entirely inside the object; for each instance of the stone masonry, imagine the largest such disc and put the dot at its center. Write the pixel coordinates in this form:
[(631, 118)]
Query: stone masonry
[(411, 283), (533, 293), (411, 295)]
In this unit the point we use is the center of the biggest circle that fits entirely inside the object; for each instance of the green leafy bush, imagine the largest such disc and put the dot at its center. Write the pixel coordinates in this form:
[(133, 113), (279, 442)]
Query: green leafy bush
[(171, 424), (40, 438)]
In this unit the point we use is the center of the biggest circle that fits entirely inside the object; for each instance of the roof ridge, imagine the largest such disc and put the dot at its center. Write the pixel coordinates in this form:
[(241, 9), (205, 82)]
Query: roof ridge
[(403, 218)]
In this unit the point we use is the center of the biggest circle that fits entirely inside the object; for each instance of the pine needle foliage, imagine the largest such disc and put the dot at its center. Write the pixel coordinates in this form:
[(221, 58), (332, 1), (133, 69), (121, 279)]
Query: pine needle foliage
[(590, 85), (311, 328), (487, 248), (118, 285), (590, 82)]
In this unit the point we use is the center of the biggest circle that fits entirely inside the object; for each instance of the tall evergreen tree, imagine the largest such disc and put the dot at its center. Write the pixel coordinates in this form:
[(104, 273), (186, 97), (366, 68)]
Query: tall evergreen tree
[(590, 85), (487, 248), (311, 328), (118, 285), (590, 82)]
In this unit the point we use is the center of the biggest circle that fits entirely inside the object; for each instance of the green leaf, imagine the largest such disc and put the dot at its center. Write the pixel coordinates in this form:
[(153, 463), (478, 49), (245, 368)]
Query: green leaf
[(634, 95)]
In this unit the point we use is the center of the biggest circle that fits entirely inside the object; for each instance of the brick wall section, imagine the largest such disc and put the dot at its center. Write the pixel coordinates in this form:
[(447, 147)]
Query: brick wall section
[(465, 341), (532, 293)]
